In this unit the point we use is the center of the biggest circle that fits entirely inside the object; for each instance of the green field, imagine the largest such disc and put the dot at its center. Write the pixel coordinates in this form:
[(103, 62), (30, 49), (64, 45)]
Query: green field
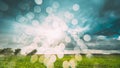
[(96, 61)]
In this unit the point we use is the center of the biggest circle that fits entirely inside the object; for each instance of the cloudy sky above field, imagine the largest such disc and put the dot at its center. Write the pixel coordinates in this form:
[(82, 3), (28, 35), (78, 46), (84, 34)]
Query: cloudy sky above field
[(73, 24)]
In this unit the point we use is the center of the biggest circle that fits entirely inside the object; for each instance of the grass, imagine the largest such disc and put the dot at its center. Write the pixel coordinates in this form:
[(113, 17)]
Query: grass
[(97, 61)]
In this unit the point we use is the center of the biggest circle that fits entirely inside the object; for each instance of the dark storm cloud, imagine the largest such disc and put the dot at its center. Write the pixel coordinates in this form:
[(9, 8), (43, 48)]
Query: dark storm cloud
[(111, 13), (111, 6), (104, 45)]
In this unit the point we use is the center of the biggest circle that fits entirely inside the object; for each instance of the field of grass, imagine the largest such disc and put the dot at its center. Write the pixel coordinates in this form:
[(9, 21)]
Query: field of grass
[(96, 61)]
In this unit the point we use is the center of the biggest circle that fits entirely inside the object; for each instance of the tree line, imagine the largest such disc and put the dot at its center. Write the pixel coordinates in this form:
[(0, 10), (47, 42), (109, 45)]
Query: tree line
[(10, 52)]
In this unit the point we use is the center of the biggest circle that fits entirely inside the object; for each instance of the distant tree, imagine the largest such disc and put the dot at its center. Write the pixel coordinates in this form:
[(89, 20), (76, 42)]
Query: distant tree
[(6, 51), (0, 51), (17, 51), (32, 52)]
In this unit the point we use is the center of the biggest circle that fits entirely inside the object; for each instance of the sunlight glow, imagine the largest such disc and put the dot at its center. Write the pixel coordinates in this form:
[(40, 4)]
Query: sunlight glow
[(53, 33)]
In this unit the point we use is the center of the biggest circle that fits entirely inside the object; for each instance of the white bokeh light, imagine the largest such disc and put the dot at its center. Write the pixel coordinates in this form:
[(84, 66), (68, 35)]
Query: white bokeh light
[(87, 37), (77, 48), (65, 64), (78, 57), (37, 9), (45, 61), (74, 21), (34, 58), (41, 59), (62, 46), (68, 15), (75, 7), (60, 56), (72, 63), (49, 10), (38, 2), (30, 15), (52, 58), (67, 39), (35, 23), (20, 19)]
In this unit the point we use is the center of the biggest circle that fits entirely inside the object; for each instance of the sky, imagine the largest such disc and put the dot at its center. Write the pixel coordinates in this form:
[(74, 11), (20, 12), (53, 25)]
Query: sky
[(68, 24)]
